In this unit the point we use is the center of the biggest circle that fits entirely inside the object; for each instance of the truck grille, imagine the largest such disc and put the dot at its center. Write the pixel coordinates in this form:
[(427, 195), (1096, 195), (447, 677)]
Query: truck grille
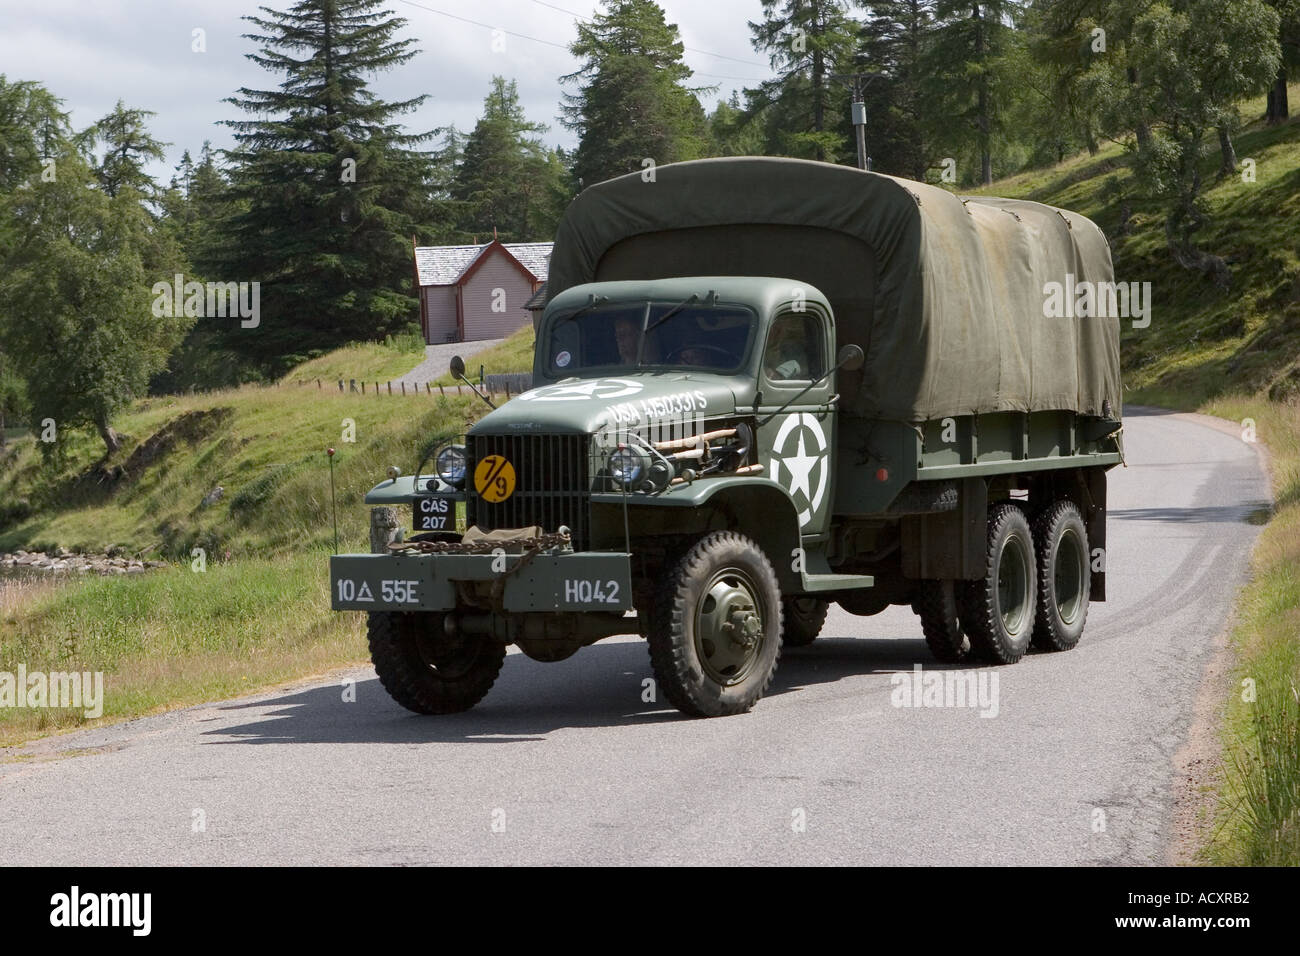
[(552, 484)]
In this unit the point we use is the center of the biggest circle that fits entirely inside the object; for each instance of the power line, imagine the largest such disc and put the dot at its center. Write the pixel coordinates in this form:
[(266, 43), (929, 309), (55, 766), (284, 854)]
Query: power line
[(720, 56), (486, 26), (562, 46)]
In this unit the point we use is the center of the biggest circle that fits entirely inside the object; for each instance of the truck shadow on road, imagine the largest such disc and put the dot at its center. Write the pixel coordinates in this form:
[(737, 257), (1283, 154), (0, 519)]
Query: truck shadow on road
[(1248, 512), (601, 686)]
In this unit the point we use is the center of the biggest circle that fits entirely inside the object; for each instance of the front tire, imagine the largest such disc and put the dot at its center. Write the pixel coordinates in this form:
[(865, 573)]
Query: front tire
[(804, 619), (715, 635), (428, 670), (997, 610)]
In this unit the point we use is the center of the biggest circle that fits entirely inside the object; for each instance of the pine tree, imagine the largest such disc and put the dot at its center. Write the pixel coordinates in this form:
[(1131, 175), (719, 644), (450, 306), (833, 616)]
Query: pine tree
[(968, 60), (506, 177), (730, 131), (329, 185), (128, 147), (893, 45), (803, 111), (632, 104)]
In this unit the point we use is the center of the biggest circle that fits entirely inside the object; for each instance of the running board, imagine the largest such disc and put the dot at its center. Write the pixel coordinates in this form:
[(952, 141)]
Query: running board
[(818, 577)]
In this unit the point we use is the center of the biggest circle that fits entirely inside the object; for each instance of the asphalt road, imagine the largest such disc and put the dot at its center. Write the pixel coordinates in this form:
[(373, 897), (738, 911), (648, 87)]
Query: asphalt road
[(564, 763)]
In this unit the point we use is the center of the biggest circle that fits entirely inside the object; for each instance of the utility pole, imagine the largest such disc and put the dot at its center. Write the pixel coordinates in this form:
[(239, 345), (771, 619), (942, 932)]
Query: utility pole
[(859, 111)]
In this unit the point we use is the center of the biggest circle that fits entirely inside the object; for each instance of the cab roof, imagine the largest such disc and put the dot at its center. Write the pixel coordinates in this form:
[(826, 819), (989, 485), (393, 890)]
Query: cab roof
[(764, 294)]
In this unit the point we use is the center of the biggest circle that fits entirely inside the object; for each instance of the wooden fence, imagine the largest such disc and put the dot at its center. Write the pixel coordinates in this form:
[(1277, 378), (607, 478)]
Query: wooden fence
[(508, 383)]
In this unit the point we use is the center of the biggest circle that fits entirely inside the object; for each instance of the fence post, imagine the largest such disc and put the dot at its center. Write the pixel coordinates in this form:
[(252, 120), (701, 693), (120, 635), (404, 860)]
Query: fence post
[(442, 391), (363, 386), (390, 388)]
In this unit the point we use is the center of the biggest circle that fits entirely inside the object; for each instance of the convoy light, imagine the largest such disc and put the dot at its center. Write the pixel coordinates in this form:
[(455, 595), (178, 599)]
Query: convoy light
[(451, 464), (394, 472)]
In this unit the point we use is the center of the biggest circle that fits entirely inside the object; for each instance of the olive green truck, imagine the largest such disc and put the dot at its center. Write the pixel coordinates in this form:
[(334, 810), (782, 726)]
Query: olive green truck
[(763, 386)]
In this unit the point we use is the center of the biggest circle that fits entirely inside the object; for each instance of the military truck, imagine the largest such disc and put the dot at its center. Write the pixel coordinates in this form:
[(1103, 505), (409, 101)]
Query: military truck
[(763, 386)]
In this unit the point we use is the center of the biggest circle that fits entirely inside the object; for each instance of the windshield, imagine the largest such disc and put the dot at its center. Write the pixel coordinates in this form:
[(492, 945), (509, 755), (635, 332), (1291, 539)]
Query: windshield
[(690, 335)]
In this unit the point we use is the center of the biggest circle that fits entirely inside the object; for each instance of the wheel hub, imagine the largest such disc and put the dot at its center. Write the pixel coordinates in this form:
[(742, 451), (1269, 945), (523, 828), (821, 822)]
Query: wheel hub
[(728, 627)]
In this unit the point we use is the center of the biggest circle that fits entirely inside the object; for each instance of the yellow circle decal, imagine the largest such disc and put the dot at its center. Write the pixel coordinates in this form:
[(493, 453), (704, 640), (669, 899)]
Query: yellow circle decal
[(494, 478)]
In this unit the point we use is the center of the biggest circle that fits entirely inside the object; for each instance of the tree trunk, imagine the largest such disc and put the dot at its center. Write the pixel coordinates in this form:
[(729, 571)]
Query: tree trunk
[(106, 432), (1229, 167), (1279, 109), (819, 106), (1142, 128), (983, 120), (2, 428), (1090, 137)]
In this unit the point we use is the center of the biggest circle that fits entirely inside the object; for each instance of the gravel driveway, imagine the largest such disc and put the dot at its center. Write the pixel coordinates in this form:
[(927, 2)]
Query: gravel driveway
[(438, 357)]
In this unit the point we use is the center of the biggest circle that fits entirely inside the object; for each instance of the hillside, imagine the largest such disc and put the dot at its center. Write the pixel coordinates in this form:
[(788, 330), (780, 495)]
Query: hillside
[(1202, 342)]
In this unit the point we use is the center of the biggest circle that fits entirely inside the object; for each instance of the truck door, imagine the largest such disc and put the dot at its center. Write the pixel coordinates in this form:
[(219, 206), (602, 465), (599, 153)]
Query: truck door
[(795, 445)]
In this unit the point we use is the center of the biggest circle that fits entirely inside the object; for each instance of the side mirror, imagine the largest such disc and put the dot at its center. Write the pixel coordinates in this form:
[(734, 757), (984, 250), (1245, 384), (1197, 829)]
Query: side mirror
[(458, 366), (851, 358)]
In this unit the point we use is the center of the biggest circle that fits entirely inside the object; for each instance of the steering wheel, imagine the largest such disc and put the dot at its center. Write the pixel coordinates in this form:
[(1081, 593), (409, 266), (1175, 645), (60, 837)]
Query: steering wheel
[(727, 359)]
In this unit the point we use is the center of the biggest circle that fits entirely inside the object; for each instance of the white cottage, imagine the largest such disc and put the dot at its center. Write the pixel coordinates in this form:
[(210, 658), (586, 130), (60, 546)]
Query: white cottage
[(479, 291)]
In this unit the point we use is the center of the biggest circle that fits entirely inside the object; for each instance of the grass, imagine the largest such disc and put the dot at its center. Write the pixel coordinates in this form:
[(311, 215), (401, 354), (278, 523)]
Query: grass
[(363, 361), (177, 637), (1259, 817), (264, 446)]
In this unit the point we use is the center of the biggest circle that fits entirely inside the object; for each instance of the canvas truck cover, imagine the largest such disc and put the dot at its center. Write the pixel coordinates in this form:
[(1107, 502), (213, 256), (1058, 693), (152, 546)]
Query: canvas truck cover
[(945, 295)]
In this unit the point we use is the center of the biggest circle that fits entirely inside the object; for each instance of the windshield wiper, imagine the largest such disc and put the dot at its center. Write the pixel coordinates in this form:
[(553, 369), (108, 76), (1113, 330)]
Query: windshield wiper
[(596, 300), (667, 315)]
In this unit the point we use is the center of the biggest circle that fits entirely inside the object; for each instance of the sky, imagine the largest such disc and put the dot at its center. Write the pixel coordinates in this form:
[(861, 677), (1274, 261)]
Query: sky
[(91, 53)]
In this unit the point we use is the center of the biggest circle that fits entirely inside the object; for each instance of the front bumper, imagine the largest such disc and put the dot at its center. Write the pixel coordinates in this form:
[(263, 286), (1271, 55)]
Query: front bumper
[(582, 581)]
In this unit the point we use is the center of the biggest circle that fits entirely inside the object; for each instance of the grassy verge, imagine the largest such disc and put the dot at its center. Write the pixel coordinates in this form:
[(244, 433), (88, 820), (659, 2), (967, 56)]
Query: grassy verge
[(176, 637), (1259, 814)]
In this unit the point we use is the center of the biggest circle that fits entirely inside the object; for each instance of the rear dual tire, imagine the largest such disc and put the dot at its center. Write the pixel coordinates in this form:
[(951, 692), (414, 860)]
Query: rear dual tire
[(1035, 588), (1064, 575), (997, 610)]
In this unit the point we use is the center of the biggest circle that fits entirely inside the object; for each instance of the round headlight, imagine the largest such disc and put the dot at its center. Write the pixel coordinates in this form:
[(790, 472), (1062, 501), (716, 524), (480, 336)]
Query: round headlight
[(626, 466), (451, 464)]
